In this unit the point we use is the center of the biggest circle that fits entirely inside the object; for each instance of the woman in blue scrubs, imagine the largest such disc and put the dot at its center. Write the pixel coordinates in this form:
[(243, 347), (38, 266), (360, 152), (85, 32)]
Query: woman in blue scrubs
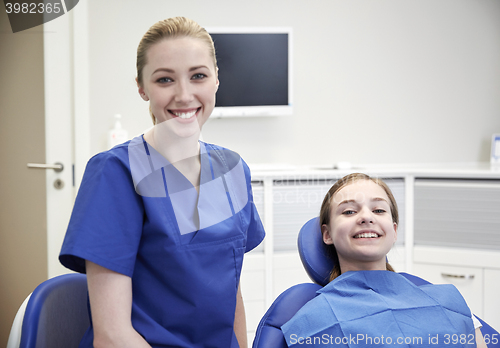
[(161, 223)]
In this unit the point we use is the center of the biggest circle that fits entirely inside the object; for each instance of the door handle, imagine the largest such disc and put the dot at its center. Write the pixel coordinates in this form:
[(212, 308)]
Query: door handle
[(457, 276), (58, 167)]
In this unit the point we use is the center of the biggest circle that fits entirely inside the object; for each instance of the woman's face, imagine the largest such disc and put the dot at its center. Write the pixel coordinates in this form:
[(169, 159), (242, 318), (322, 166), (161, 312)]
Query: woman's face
[(180, 82), (361, 226)]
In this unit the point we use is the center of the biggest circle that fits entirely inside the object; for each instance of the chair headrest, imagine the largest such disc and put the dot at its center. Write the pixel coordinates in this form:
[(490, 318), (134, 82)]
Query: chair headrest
[(313, 252)]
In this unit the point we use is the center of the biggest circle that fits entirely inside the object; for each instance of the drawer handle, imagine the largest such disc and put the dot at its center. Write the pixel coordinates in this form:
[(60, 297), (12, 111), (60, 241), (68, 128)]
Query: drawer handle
[(457, 276)]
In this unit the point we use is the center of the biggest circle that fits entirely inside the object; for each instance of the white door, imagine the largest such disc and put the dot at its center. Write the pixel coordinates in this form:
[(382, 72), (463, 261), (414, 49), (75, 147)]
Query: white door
[(64, 105), (58, 134)]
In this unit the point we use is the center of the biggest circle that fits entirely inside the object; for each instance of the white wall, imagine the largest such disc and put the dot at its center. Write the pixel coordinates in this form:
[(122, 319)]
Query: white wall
[(376, 81)]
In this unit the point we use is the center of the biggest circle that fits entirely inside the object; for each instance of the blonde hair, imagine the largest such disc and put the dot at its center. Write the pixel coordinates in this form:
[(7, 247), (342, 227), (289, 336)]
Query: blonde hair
[(324, 215), (175, 27)]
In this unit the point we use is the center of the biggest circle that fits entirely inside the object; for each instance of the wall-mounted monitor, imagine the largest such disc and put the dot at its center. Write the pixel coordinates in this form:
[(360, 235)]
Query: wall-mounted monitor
[(255, 71)]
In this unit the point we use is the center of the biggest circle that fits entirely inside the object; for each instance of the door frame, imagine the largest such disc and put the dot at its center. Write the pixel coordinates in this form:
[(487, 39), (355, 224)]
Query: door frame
[(67, 128)]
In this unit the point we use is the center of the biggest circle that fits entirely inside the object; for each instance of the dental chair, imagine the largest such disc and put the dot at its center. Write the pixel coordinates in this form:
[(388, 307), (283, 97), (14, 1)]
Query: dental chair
[(318, 265), (54, 315)]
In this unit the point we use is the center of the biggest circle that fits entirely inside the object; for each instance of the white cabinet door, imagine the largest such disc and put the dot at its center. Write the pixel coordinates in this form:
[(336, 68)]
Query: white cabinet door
[(288, 271), (253, 290), (468, 280)]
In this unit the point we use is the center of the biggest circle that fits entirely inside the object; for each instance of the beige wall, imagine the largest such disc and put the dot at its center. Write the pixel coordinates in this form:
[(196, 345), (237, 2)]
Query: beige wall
[(23, 235)]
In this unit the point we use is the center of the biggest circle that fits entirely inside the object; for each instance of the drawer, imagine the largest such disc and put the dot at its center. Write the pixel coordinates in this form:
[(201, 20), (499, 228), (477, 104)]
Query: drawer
[(468, 280)]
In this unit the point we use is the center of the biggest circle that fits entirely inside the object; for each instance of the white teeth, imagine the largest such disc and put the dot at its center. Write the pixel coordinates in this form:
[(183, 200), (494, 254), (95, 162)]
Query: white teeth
[(185, 115), (366, 235)]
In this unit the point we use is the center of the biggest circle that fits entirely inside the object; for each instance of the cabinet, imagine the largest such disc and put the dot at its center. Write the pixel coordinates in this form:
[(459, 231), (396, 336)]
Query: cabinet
[(253, 279), (457, 239), (475, 272)]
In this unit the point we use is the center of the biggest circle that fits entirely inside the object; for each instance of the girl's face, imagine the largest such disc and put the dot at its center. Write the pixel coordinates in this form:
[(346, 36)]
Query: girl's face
[(361, 226), (180, 82)]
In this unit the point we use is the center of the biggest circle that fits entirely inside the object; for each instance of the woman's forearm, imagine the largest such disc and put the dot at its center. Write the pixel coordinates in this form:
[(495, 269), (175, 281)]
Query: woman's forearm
[(110, 295), (480, 339)]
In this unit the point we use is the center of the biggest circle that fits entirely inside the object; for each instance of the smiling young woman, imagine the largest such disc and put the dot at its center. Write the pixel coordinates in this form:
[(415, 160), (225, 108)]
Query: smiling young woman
[(161, 223)]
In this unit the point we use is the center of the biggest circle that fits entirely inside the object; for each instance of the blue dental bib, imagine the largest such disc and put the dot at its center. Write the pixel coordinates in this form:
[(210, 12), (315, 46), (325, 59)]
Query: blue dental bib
[(382, 309)]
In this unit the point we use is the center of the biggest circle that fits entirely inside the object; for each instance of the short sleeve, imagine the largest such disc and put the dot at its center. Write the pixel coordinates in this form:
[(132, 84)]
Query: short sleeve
[(255, 232), (107, 218)]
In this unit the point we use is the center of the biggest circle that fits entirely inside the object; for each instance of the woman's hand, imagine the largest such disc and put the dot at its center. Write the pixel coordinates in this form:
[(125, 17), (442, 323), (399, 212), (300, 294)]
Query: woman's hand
[(110, 295)]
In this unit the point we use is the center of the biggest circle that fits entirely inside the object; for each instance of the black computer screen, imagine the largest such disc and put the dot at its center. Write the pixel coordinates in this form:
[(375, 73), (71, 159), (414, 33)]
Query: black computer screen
[(253, 69)]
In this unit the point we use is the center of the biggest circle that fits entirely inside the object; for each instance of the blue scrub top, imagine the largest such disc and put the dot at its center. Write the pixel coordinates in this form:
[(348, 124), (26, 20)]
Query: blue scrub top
[(135, 214)]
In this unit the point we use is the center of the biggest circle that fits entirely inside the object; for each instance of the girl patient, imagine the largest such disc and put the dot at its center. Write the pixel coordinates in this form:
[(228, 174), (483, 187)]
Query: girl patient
[(367, 304)]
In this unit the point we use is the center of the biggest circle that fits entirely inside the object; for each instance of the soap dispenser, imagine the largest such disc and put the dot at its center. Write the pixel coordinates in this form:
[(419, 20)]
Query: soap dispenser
[(117, 135)]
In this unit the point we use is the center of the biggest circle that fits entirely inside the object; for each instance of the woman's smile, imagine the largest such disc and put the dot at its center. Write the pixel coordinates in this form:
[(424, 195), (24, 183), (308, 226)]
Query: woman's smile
[(184, 114)]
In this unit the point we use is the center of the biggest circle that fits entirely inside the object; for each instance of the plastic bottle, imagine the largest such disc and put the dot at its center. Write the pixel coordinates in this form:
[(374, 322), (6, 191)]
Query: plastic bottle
[(117, 135)]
